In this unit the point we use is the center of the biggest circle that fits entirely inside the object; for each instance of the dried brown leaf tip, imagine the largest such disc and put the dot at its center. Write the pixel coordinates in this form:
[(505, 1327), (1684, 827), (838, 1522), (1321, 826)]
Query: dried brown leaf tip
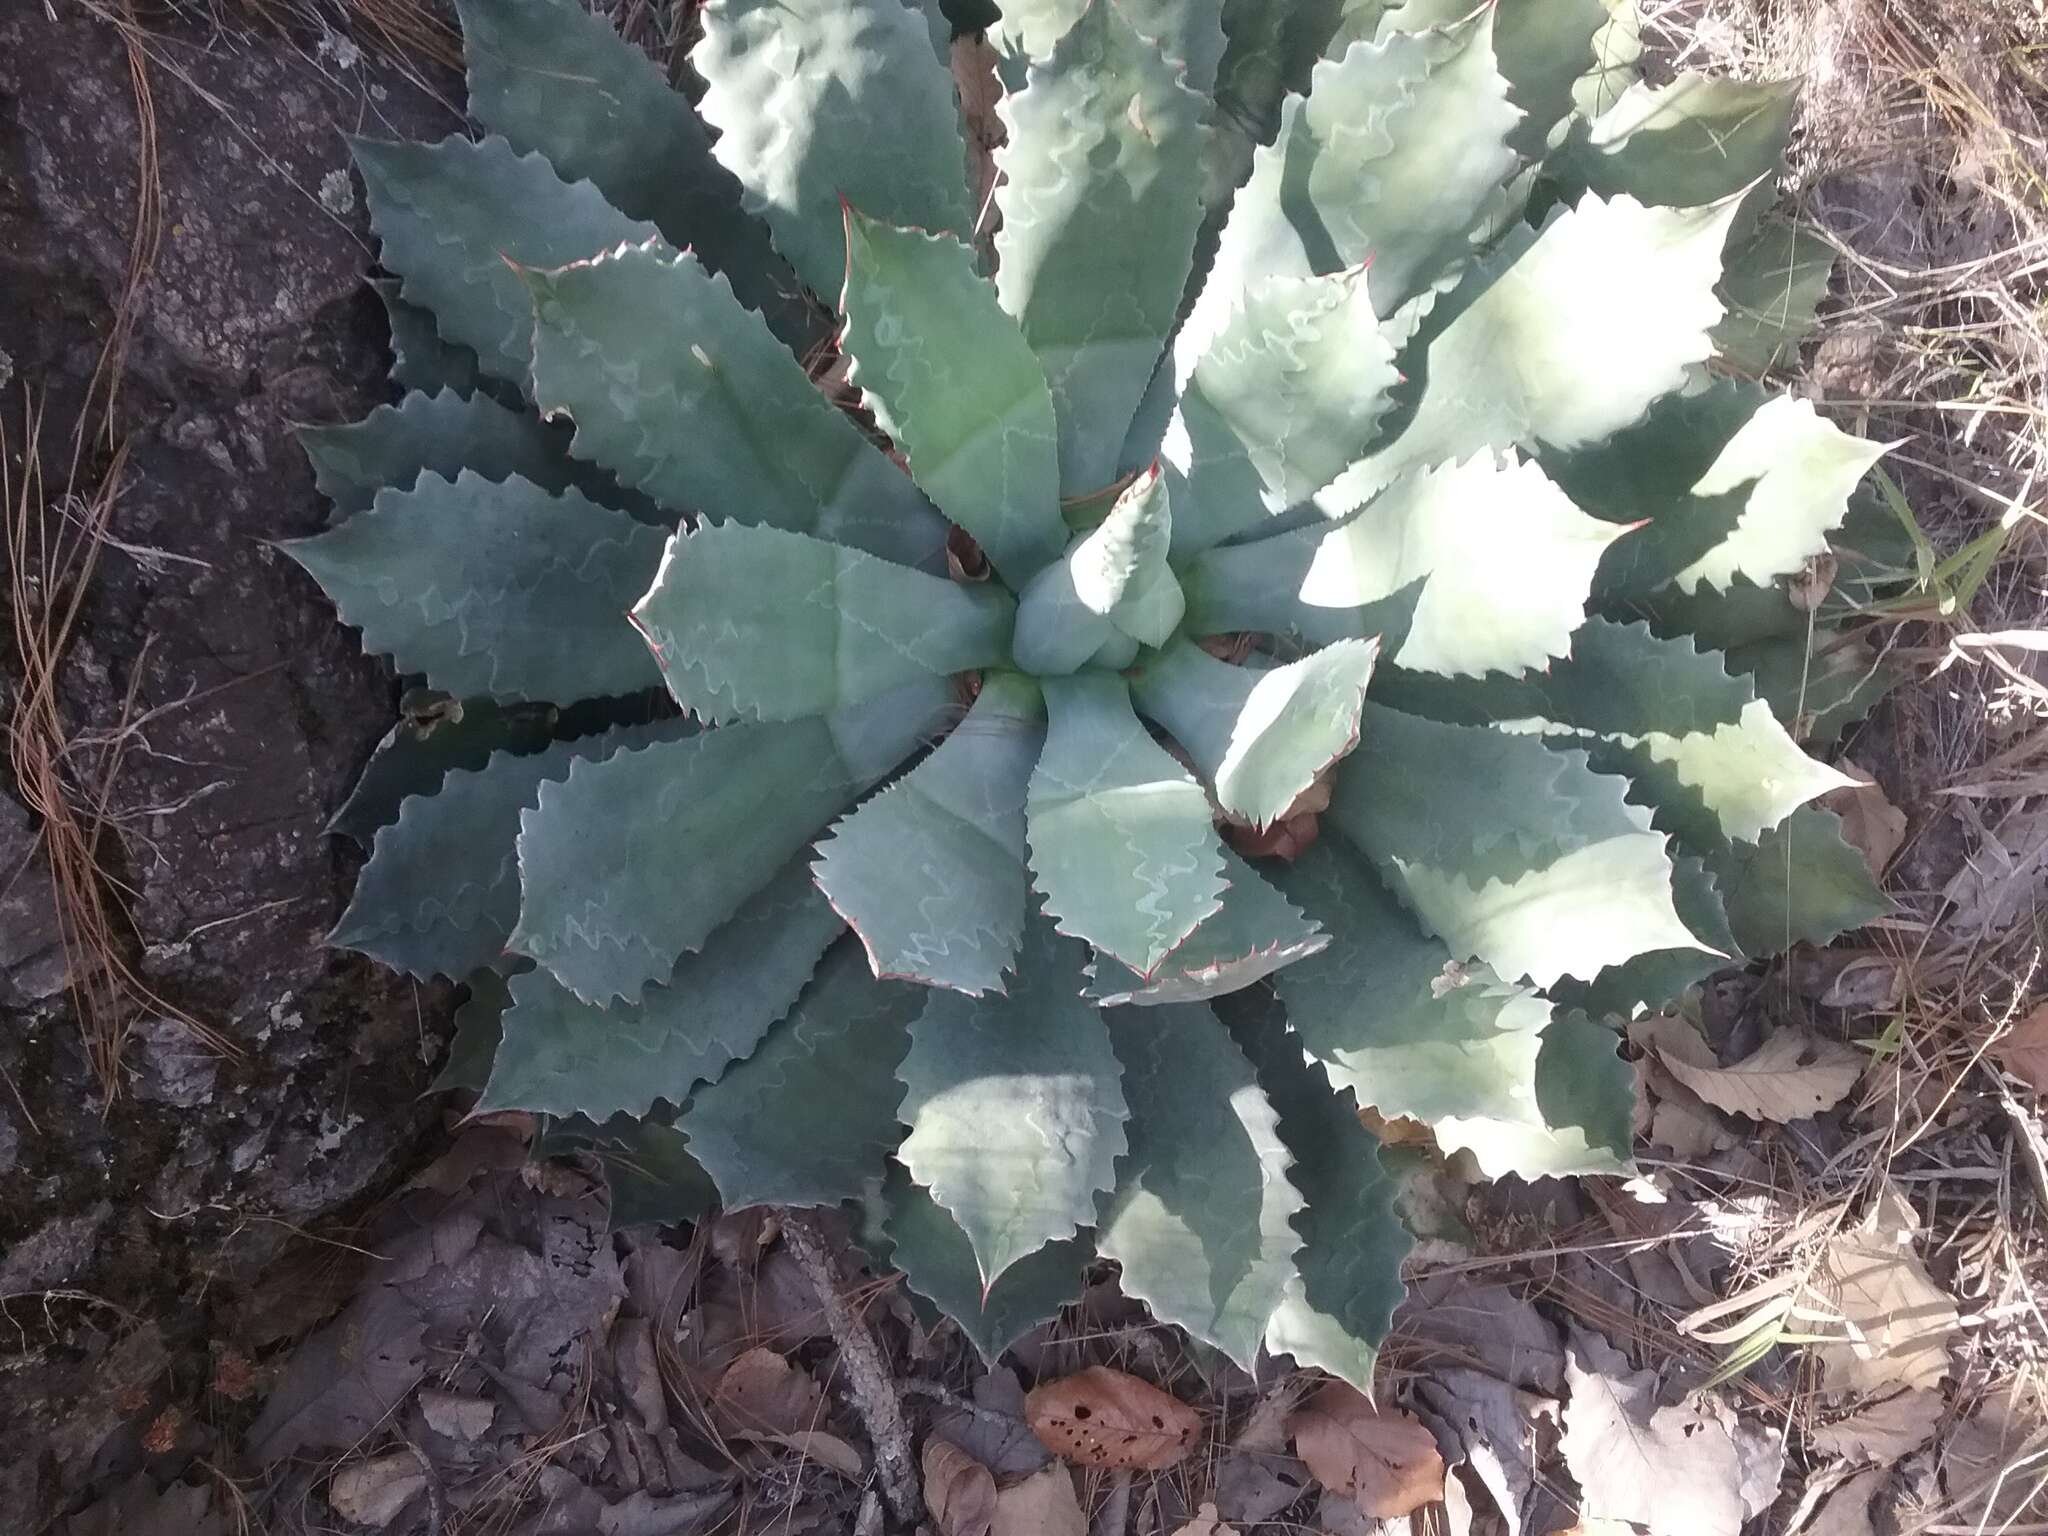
[(1105, 1418), (959, 1491), (1382, 1458)]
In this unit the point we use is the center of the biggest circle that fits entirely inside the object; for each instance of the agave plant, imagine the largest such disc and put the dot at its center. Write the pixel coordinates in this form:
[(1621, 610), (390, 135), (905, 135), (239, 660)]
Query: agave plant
[(1298, 618)]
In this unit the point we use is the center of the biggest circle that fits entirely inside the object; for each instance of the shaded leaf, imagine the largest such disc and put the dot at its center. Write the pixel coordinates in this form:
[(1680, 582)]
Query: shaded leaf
[(756, 623), (1799, 883), (761, 1393), (1695, 139), (1772, 283), (1381, 1458), (1100, 1417), (503, 591), (417, 753), (421, 361)]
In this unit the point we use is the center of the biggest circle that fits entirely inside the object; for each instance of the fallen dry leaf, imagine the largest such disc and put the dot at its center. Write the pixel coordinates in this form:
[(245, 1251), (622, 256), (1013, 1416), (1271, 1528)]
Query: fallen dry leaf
[(1792, 1076), (1990, 1464), (1042, 1505), (959, 1491), (1847, 1511), (1883, 1432), (762, 1393), (1206, 1523), (2024, 1050), (816, 1445), (1676, 1470), (1897, 1320), (2001, 877), (1381, 1458), (373, 1492), (1104, 1418), (1871, 824)]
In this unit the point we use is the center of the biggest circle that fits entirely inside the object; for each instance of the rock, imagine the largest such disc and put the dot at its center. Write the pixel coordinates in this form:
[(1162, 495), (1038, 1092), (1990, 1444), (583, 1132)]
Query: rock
[(31, 937), (177, 1067), (54, 1253), (375, 1492)]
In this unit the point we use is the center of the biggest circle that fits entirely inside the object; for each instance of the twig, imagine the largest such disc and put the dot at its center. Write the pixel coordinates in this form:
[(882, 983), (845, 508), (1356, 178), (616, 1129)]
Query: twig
[(437, 1503), (867, 1375)]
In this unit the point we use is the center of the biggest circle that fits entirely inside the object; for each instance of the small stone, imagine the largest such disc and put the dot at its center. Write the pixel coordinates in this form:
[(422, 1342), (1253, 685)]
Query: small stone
[(177, 1069), (31, 938), (455, 1416)]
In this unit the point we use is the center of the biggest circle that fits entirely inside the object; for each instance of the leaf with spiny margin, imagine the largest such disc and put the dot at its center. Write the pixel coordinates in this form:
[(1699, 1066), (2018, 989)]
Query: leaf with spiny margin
[(810, 1116), (420, 360), (1507, 849), (1341, 1304), (1800, 883), (1607, 311), (823, 102), (1733, 482), (1288, 393), (442, 434), (683, 393), (1113, 582), (1394, 156), (1504, 559), (952, 381), (1670, 705), (930, 873), (440, 893), (1268, 52), (500, 590), (455, 220), (753, 623), (1695, 139), (647, 1168), (1260, 735), (937, 1262), (1617, 60), (563, 1056), (1391, 1014), (551, 76), (1772, 283), (429, 739), (1257, 932), (1122, 846), (477, 1030), (1819, 688), (1106, 136), (628, 864), (1661, 976), (1579, 1118), (1189, 32), (1200, 1220), (1543, 47), (1016, 1117)]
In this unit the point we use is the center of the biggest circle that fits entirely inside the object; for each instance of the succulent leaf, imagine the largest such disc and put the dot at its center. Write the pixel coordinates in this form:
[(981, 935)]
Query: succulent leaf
[(1106, 135), (562, 1056), (1200, 1218), (416, 754), (442, 433), (752, 623), (938, 1262), (552, 77), (420, 360), (1122, 847), (681, 392), (1187, 32), (456, 220), (1014, 1106), (1772, 282), (1113, 581), (952, 381), (440, 893), (1692, 140), (1261, 737), (1580, 1124), (823, 102), (503, 590), (1287, 394), (810, 1116), (931, 872), (1799, 883), (1393, 157), (628, 863), (1257, 932)]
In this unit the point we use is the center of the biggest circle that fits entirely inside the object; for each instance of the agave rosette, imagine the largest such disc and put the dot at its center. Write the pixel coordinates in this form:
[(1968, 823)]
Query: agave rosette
[(1348, 429)]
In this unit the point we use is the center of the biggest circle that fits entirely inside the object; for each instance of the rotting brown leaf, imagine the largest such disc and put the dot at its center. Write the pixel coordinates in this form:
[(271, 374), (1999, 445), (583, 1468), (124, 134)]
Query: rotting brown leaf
[(1791, 1076), (1104, 1418), (1882, 1432), (1042, 1505), (1871, 824), (1898, 1322), (958, 1490), (2023, 1050), (1381, 1458), (762, 1393)]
